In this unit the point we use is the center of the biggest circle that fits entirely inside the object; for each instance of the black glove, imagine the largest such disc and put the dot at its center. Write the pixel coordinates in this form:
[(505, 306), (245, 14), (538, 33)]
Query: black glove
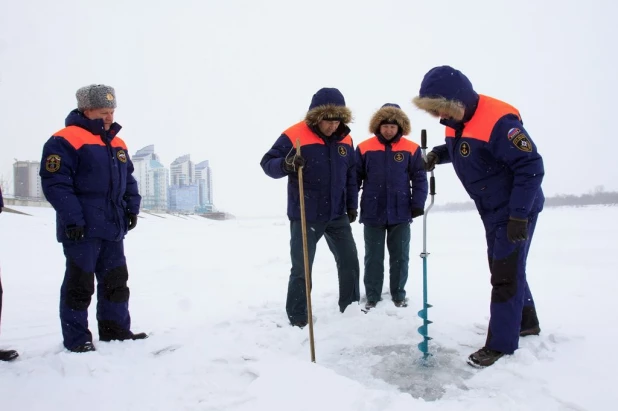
[(294, 164), (417, 212), (352, 214), (432, 160), (517, 230), (132, 221), (74, 232)]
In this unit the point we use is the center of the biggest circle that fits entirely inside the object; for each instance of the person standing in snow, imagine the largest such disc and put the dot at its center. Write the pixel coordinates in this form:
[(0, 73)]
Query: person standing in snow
[(387, 165), (5, 355), (330, 192), (87, 176), (501, 169)]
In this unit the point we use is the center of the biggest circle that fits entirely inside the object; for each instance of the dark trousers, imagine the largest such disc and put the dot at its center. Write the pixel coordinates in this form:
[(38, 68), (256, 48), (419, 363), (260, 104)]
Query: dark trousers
[(0, 299), (398, 244), (338, 234), (84, 260), (512, 307)]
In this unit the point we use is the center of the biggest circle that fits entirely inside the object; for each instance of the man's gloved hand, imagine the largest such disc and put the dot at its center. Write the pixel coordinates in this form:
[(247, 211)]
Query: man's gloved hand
[(294, 164), (432, 160), (417, 212), (517, 230), (132, 221), (74, 232), (352, 214)]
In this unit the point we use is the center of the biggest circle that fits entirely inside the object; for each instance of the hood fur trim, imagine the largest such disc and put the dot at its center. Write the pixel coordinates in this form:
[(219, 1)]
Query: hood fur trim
[(390, 113), (327, 112), (435, 105)]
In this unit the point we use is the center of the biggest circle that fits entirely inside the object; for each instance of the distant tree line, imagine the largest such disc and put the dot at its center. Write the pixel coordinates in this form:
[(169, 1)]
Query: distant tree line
[(596, 197)]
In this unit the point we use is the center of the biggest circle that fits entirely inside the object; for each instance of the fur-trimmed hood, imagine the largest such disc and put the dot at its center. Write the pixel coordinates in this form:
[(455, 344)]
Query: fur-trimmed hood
[(328, 112), (448, 91), (390, 112), (328, 104)]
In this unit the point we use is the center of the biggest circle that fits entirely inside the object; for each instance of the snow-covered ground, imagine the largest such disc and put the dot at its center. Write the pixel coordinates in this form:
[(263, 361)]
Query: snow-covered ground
[(212, 296)]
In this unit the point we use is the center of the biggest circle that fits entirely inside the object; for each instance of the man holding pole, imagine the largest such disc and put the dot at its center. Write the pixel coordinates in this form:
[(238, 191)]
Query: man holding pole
[(501, 169), (330, 195)]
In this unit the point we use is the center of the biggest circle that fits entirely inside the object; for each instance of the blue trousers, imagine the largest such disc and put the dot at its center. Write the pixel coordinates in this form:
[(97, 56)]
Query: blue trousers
[(86, 259), (338, 234), (398, 244), (512, 306)]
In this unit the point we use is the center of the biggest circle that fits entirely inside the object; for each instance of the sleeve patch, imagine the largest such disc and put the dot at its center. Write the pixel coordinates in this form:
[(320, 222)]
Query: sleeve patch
[(52, 163), (523, 143), (514, 132)]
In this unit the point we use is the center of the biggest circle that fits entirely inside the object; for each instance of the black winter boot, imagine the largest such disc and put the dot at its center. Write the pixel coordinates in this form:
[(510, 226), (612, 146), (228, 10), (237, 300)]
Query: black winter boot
[(8, 355), (86, 347), (484, 357)]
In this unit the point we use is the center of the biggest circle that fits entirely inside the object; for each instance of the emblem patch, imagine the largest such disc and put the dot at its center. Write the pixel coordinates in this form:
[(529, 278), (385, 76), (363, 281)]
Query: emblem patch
[(342, 151), (513, 133), (52, 163), (122, 156), (398, 157), (522, 143), (464, 149), (109, 97)]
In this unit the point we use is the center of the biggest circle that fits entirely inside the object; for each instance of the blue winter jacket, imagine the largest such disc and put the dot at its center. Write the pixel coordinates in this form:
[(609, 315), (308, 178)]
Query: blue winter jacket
[(492, 154), (329, 175), (87, 176), (393, 180)]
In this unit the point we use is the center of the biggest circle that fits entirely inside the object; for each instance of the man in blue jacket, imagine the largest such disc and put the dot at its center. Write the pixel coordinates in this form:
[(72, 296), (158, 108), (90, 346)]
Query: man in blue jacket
[(330, 193), (391, 173), (87, 176), (5, 355), (501, 169)]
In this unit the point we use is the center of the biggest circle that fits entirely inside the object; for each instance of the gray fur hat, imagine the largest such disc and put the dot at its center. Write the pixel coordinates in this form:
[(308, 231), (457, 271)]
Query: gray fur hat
[(95, 96)]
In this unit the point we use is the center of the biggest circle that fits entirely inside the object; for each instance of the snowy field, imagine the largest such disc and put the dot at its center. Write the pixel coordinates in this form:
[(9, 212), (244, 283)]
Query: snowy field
[(212, 296)]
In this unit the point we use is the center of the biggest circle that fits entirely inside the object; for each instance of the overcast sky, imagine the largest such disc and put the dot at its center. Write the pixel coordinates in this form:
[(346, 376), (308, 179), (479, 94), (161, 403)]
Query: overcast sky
[(221, 80)]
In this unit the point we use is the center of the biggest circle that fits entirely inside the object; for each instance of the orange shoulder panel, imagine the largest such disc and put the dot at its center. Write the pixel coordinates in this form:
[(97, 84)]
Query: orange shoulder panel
[(302, 132), (347, 140), (117, 142), (371, 144), (405, 145), (77, 137), (487, 114)]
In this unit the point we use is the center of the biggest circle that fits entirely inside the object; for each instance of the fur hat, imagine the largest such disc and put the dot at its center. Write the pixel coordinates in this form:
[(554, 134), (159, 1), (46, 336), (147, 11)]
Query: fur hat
[(390, 113), (328, 104), (95, 96)]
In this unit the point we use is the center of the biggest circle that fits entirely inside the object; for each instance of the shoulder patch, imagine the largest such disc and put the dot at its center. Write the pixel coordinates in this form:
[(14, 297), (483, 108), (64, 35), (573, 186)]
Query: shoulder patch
[(122, 156), (52, 163), (513, 133), (522, 142)]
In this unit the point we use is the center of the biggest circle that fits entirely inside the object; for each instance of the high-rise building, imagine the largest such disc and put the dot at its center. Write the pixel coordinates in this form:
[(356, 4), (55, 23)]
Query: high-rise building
[(26, 179), (203, 177), (152, 179), (182, 171), (184, 198)]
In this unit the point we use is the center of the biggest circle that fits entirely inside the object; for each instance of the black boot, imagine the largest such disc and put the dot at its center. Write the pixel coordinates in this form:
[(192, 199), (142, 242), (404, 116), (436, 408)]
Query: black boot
[(299, 323), (400, 303), (484, 357), (530, 331), (370, 305), (8, 355), (139, 336), (86, 347)]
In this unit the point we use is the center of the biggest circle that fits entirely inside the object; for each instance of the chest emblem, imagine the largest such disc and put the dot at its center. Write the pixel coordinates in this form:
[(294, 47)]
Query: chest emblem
[(52, 163), (122, 156), (398, 157), (464, 149), (342, 151)]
